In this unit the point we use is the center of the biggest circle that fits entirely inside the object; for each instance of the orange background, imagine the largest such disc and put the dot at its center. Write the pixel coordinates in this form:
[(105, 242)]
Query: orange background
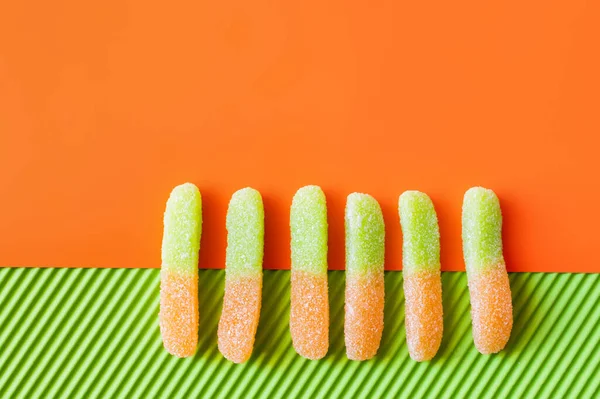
[(106, 105)]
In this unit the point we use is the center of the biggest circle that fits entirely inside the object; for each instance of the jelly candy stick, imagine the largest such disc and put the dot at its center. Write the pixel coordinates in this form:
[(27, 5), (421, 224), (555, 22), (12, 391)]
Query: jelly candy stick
[(243, 275), (491, 303), (422, 279), (365, 239), (309, 315), (179, 271)]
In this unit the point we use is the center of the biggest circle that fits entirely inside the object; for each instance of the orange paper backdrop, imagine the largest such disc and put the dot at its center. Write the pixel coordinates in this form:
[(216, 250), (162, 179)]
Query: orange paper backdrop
[(106, 105)]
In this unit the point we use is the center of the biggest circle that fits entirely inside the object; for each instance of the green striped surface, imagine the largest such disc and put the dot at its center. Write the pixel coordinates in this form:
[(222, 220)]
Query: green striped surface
[(88, 333)]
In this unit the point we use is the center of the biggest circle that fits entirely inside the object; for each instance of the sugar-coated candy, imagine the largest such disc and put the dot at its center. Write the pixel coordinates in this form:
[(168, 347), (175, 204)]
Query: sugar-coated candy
[(179, 271), (422, 278), (365, 292), (489, 288), (309, 312), (243, 275)]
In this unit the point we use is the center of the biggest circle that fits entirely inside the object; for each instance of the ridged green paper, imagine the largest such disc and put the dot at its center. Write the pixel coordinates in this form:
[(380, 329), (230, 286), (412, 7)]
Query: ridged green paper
[(88, 333)]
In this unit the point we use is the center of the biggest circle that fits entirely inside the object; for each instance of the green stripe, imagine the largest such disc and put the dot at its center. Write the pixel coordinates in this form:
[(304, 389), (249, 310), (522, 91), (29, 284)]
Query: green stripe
[(93, 333)]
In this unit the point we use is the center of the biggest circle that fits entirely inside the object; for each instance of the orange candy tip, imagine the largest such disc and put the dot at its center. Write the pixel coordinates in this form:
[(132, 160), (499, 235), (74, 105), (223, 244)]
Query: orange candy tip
[(363, 323), (491, 309), (179, 313), (309, 314), (239, 320), (424, 314)]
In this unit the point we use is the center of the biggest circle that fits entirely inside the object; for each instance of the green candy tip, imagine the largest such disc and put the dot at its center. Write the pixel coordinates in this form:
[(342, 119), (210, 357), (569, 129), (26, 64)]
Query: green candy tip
[(246, 193), (420, 230), (308, 226), (310, 189), (361, 197), (182, 229), (183, 192), (482, 229), (365, 234), (408, 197), (245, 233), (409, 193), (479, 193)]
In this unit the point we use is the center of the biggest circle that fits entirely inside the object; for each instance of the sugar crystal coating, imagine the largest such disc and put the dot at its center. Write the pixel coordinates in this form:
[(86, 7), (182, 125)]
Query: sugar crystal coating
[(363, 322), (179, 313), (245, 233), (178, 316), (420, 231), (239, 320), (182, 229), (489, 288), (481, 228), (308, 224), (365, 253), (365, 234), (422, 279), (424, 318), (309, 311), (491, 309), (309, 314), (243, 275)]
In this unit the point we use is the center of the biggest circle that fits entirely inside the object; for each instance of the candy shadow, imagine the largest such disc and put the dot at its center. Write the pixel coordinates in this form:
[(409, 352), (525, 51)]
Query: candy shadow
[(511, 214), (212, 242), (336, 251), (454, 288), (522, 310), (337, 283), (211, 285), (277, 239), (273, 325), (393, 318)]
